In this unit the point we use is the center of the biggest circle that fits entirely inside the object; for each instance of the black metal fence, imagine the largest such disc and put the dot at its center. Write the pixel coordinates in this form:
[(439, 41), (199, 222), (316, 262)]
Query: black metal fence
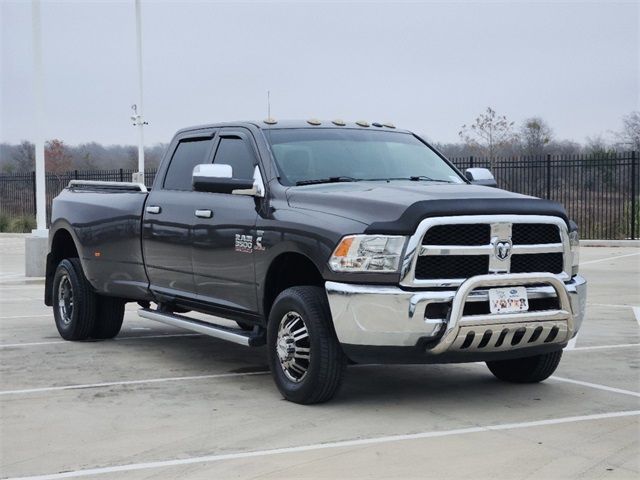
[(601, 193)]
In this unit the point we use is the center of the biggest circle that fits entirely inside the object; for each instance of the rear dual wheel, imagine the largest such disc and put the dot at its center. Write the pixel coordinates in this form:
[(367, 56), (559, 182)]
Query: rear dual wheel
[(78, 311)]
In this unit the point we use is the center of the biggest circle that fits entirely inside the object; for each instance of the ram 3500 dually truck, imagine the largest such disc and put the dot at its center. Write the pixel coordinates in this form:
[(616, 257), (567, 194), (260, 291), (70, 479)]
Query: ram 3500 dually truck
[(331, 243)]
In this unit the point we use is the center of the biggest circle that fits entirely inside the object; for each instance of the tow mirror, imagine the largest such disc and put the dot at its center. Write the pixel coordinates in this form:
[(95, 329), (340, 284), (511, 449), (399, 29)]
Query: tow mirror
[(218, 178), (480, 176)]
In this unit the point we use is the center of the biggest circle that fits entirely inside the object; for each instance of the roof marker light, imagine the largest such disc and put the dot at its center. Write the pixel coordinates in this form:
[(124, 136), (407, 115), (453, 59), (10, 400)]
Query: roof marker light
[(362, 123), (339, 123), (389, 125), (270, 121), (314, 121), (376, 124)]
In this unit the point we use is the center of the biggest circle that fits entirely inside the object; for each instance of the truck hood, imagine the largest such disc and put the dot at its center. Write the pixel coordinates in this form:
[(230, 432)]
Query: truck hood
[(398, 206)]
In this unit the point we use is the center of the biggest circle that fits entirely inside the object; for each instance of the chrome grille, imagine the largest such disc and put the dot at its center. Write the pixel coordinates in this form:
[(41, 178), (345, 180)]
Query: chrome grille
[(445, 251)]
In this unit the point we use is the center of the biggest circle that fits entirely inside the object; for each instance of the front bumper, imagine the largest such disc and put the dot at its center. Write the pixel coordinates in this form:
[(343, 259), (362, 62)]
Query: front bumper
[(366, 317)]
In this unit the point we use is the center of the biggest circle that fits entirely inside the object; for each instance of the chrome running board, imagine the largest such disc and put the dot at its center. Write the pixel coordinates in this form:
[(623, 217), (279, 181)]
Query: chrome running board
[(235, 335)]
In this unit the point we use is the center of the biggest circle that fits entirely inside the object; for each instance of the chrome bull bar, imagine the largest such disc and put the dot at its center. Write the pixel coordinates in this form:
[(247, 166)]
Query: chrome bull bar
[(458, 324)]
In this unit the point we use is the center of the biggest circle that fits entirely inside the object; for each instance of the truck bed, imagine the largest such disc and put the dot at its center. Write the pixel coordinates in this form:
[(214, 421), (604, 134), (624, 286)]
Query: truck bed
[(106, 218)]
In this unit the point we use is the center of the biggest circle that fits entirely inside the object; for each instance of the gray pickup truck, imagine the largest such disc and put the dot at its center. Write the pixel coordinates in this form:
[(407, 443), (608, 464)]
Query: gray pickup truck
[(330, 242)]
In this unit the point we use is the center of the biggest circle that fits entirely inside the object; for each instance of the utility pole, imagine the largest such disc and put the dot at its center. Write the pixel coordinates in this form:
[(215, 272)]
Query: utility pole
[(36, 243), (138, 118)]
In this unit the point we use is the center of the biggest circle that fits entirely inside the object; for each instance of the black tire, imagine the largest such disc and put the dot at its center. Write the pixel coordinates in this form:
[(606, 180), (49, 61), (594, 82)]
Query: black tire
[(326, 364), (109, 316), (528, 369), (74, 302)]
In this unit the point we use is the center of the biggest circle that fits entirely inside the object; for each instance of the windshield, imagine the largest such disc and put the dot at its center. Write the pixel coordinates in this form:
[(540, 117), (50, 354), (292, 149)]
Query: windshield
[(316, 156)]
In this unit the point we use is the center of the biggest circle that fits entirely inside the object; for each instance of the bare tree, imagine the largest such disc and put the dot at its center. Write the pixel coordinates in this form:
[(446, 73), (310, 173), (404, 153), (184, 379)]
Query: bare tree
[(535, 135), (630, 134), (24, 157), (488, 133)]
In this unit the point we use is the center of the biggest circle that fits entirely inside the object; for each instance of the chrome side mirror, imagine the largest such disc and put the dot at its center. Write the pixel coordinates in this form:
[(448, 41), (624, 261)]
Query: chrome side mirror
[(480, 176), (218, 178)]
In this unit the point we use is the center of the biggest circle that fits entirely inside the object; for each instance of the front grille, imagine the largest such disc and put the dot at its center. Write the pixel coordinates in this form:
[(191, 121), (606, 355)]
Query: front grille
[(534, 233), (463, 234), (453, 266), (537, 262), (441, 263)]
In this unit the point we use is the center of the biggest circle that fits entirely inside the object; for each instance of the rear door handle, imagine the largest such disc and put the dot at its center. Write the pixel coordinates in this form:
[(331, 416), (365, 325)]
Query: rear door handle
[(204, 213), (154, 209)]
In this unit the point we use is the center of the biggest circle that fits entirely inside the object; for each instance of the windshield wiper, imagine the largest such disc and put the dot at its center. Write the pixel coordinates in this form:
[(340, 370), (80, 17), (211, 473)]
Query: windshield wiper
[(413, 178), (327, 180)]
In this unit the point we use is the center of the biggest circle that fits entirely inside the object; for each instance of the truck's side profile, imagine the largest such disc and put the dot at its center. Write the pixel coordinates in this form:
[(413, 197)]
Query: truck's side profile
[(328, 242)]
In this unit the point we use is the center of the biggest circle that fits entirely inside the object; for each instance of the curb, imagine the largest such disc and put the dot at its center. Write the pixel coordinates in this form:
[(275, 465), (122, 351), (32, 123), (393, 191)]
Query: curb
[(23, 281), (610, 243)]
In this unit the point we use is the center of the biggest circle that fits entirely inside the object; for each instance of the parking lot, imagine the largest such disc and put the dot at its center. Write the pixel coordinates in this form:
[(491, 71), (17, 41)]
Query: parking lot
[(159, 402)]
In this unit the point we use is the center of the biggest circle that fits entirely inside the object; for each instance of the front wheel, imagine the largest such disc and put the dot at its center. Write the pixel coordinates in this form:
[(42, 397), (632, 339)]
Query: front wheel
[(528, 369), (305, 357)]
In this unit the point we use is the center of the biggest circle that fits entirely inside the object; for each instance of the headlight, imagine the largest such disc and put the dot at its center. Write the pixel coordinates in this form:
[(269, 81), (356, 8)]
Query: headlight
[(574, 242), (367, 253)]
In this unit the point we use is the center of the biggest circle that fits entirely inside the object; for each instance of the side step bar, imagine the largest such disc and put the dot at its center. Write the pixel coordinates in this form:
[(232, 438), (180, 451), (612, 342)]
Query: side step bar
[(235, 335)]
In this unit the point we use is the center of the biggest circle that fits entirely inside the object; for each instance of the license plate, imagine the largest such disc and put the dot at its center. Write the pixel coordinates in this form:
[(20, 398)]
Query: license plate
[(508, 300)]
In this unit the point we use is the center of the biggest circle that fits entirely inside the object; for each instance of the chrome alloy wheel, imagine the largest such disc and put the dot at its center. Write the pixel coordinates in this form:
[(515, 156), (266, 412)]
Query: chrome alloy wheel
[(293, 347), (65, 299)]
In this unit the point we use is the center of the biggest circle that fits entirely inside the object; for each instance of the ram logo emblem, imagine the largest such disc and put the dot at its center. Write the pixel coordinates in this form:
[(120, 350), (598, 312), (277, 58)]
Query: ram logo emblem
[(502, 249)]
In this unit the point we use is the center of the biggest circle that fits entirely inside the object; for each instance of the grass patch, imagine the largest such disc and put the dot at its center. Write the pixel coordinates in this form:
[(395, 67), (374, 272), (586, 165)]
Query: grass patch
[(20, 224)]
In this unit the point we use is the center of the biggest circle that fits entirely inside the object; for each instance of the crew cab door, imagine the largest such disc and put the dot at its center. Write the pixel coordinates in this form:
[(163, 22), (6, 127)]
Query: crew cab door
[(223, 236), (169, 218)]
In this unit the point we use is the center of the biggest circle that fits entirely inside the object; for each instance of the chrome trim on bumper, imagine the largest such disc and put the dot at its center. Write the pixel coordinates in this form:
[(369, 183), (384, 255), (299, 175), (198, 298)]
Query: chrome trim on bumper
[(386, 316)]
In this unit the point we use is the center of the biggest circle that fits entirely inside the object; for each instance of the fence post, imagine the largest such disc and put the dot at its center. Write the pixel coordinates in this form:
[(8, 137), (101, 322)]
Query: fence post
[(633, 194), (471, 161), (121, 175), (33, 186), (548, 176), (75, 174)]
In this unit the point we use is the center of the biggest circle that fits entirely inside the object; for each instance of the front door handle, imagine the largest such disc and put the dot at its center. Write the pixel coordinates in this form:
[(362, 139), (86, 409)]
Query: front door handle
[(154, 209), (204, 213)]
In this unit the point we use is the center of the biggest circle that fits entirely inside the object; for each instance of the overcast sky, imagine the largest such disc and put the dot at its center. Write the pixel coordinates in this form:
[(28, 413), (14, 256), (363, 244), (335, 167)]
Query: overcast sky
[(429, 67)]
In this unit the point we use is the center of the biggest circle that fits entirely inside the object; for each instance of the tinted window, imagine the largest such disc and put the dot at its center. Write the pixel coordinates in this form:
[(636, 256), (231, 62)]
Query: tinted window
[(188, 154), (236, 152)]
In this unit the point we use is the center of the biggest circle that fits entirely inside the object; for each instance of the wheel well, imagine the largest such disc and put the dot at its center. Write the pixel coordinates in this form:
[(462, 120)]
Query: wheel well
[(62, 247), (289, 270)]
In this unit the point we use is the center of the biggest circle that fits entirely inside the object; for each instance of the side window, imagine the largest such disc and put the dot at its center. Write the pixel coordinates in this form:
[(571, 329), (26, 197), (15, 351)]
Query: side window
[(236, 152), (188, 154)]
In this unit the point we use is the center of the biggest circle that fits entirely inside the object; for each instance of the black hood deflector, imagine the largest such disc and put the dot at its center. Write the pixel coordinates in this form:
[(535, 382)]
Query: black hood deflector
[(412, 216)]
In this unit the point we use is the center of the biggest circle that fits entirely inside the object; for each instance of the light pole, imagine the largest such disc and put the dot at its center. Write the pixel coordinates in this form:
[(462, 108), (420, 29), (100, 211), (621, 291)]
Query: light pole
[(36, 243), (137, 117), (38, 87)]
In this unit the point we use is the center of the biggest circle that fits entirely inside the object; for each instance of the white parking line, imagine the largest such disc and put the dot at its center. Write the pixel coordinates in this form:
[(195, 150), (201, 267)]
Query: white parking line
[(610, 305), (26, 316), (127, 382), (118, 339), (609, 258), (321, 446), (605, 347), (596, 386)]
